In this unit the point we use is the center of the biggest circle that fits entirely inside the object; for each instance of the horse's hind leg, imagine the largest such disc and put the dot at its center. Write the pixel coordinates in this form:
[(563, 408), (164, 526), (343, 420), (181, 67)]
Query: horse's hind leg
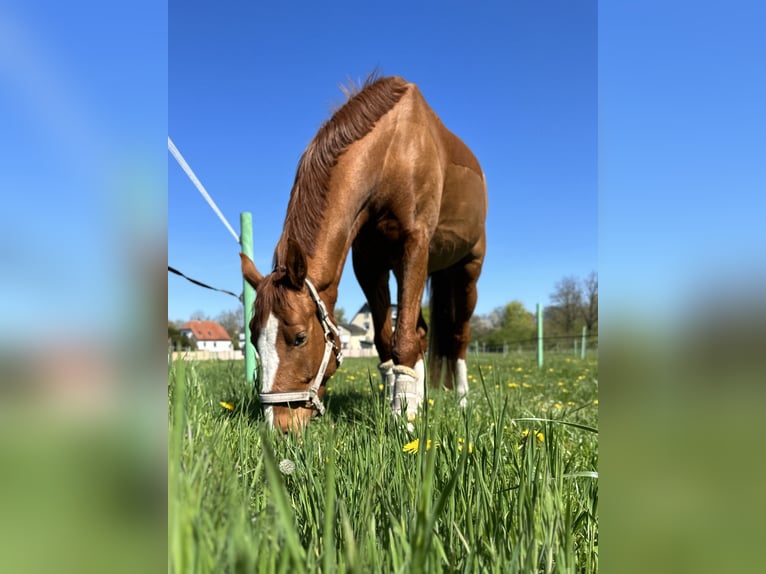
[(453, 299), (373, 279)]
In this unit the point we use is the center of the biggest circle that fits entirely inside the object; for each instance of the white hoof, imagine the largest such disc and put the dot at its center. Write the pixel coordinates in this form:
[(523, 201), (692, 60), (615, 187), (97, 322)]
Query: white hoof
[(387, 374), (408, 391)]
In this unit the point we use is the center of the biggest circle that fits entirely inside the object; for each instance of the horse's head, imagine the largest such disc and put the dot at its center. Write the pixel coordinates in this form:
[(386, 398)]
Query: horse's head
[(296, 340)]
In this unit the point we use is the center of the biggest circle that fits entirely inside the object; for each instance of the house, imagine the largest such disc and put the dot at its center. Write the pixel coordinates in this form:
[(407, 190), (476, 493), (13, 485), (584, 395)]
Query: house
[(353, 337), (360, 332), (209, 335)]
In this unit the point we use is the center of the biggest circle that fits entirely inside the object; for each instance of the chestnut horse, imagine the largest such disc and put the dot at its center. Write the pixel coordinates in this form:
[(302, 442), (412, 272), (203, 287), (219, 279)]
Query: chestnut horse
[(384, 178)]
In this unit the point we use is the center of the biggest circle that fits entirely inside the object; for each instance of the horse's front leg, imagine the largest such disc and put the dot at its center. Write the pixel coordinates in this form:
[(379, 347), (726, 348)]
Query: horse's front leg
[(407, 348)]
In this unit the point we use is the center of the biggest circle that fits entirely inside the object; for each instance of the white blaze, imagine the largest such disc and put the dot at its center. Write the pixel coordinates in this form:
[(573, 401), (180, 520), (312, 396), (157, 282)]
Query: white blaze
[(266, 345)]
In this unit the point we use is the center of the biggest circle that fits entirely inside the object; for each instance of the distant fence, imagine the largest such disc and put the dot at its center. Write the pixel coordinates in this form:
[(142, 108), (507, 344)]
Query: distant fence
[(238, 356), (556, 344), (208, 355)]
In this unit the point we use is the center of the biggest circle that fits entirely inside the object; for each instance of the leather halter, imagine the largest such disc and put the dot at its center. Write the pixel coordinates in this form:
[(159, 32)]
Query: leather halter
[(312, 394)]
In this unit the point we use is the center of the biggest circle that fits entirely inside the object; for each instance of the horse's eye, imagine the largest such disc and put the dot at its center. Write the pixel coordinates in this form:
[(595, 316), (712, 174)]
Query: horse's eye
[(300, 338)]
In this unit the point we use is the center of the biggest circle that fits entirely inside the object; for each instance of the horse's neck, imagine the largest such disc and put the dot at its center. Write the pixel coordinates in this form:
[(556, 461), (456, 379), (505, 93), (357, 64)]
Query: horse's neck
[(333, 239), (331, 249)]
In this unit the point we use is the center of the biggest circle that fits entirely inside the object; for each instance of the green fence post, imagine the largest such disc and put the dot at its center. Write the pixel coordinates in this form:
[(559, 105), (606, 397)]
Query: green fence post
[(539, 336), (246, 244)]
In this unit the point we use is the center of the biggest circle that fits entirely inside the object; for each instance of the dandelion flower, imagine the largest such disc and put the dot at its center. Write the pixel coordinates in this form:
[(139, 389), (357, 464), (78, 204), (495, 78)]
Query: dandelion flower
[(412, 447), (227, 406), (595, 402), (286, 466), (513, 385), (539, 436), (526, 385), (380, 386)]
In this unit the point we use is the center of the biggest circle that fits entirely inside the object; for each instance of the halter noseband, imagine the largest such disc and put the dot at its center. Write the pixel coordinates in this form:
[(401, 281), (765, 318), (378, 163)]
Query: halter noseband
[(312, 395)]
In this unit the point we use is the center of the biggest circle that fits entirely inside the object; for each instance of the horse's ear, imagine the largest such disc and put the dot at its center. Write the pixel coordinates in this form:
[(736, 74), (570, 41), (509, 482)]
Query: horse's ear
[(249, 272), (296, 264)]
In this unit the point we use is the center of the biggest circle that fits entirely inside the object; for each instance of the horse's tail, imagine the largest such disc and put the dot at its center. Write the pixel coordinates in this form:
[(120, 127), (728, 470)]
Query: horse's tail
[(441, 331)]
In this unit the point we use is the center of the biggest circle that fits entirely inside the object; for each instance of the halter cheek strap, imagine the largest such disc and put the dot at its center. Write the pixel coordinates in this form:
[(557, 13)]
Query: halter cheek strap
[(330, 332)]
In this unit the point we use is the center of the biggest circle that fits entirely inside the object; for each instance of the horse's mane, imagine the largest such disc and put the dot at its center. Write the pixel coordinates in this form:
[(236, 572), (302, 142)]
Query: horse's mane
[(355, 119)]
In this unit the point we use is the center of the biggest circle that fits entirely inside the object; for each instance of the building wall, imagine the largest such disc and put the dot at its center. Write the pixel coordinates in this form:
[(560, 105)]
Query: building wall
[(215, 346), (364, 320)]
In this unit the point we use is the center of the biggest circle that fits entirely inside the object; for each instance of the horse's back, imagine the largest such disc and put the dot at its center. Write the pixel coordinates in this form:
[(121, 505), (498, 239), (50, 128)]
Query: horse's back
[(426, 177), (459, 233)]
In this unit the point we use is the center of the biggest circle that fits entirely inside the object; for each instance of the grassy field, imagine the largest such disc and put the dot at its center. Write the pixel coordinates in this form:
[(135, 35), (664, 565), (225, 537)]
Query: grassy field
[(493, 492)]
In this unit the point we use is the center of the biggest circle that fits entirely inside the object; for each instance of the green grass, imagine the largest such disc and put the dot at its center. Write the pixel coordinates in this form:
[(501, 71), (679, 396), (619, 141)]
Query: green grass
[(482, 498)]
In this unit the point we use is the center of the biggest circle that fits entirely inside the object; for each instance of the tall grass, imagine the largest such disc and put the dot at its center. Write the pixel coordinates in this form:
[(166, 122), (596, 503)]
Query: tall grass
[(509, 484)]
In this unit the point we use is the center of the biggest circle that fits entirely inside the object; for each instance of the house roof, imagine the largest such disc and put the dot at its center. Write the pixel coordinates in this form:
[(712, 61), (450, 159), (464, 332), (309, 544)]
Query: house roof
[(353, 329), (366, 308), (206, 331)]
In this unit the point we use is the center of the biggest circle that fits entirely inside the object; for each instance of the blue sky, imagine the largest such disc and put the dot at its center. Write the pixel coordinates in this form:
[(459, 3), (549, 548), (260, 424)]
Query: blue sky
[(250, 85), (682, 157), (83, 118), (669, 192)]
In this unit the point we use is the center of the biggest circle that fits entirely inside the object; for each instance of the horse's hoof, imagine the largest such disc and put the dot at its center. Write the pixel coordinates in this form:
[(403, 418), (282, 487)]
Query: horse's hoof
[(387, 374), (408, 391)]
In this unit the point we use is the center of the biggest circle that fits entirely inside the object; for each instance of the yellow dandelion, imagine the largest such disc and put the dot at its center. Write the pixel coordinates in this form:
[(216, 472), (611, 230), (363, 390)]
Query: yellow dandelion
[(551, 370), (430, 401), (380, 387), (595, 402), (227, 406), (412, 447), (571, 403), (564, 391), (561, 383), (558, 406), (526, 385), (539, 436), (513, 385), (524, 434)]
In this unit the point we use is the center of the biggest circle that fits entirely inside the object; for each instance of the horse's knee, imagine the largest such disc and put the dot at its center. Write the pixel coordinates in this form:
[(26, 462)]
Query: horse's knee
[(406, 348)]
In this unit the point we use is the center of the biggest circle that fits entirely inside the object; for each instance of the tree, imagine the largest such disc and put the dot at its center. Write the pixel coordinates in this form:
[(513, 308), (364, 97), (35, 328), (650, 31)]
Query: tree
[(233, 321), (511, 324), (590, 303), (567, 307), (199, 315), (340, 315), (177, 340)]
